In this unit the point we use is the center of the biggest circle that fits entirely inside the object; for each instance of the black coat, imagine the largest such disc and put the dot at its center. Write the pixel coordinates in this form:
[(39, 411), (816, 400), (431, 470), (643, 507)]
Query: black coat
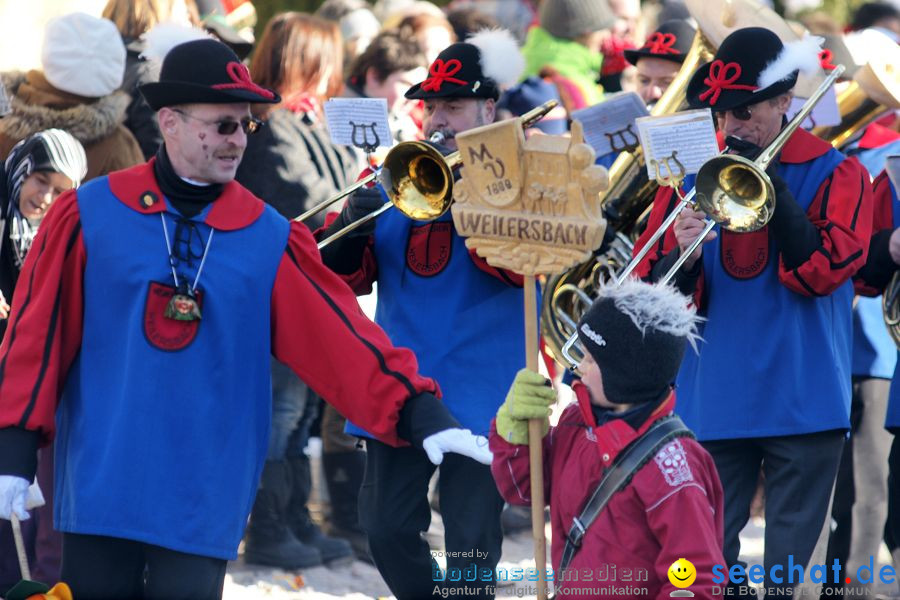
[(292, 164)]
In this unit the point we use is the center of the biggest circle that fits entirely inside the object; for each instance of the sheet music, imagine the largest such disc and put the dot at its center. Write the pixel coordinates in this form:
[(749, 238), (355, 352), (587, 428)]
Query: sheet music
[(689, 137), (609, 126), (358, 122)]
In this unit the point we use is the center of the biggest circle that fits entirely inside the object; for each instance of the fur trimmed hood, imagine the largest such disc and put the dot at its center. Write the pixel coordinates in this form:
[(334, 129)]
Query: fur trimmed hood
[(46, 108)]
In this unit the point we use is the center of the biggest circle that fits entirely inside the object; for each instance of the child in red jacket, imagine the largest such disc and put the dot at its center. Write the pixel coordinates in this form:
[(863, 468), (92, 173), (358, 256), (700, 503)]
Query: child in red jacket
[(670, 506)]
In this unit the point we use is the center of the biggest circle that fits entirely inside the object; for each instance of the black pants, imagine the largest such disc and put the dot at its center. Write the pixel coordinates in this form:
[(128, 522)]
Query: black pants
[(394, 511), (98, 567), (892, 528), (799, 476)]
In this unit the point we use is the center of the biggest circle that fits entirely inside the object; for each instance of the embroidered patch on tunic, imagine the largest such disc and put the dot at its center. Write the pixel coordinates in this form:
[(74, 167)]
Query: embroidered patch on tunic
[(672, 461)]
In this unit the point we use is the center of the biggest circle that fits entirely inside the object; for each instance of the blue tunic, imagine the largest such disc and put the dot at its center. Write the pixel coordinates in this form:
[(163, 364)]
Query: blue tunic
[(113, 477), (464, 325), (772, 362), (893, 409)]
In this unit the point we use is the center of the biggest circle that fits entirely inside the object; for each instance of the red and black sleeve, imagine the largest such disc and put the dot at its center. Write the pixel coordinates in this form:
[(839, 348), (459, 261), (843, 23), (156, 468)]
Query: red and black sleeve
[(842, 214), (319, 330), (873, 277), (351, 258), (43, 337)]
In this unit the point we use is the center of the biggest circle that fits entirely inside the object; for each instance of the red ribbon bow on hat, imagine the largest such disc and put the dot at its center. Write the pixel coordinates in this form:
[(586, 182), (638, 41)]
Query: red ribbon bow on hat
[(825, 57), (719, 79), (661, 43), (440, 72), (242, 81)]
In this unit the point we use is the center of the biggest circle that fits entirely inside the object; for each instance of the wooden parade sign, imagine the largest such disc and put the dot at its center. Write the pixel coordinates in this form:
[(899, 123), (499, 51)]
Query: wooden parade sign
[(532, 207), (528, 206)]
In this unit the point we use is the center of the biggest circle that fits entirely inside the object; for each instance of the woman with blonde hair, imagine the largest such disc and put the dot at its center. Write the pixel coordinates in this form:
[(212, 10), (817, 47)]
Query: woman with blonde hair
[(292, 164)]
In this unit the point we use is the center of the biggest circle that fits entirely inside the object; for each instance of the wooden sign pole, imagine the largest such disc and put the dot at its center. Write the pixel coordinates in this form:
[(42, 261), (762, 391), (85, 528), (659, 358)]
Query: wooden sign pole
[(535, 442), (531, 207)]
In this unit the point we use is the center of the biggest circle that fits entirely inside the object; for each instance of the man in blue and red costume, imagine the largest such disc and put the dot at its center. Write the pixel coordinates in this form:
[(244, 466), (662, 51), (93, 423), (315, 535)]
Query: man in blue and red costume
[(141, 335), (873, 278), (461, 318), (771, 385)]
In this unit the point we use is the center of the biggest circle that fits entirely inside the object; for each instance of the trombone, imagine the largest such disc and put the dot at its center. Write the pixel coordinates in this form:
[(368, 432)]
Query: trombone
[(418, 179), (734, 191)]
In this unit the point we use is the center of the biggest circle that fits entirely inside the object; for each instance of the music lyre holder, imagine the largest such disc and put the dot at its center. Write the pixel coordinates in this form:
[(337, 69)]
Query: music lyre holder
[(364, 144), (619, 137), (674, 177)]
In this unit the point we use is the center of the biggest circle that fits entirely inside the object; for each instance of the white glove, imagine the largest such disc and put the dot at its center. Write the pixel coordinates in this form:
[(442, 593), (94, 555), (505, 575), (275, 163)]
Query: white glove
[(461, 441), (13, 496)]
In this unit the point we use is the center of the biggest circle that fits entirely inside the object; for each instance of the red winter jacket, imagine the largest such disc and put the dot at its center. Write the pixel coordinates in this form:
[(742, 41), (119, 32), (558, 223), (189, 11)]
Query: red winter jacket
[(671, 509)]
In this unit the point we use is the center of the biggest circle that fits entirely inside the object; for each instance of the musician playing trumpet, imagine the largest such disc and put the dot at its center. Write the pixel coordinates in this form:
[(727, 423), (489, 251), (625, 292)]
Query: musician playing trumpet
[(771, 385), (453, 310)]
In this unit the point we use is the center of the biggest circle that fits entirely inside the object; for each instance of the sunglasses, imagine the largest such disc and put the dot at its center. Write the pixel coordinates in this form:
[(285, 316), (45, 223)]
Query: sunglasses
[(249, 125), (742, 113)]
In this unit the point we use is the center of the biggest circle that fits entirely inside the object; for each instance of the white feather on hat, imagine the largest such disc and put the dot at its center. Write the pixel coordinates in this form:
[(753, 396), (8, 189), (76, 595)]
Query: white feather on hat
[(500, 57), (165, 36), (802, 55)]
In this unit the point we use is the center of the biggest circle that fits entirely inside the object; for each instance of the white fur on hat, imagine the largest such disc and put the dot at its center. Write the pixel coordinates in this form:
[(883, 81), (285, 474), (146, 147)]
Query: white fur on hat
[(802, 55), (83, 55), (500, 57)]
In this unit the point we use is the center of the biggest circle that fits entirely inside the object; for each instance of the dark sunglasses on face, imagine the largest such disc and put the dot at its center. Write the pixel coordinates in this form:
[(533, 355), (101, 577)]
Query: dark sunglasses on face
[(742, 113), (250, 125)]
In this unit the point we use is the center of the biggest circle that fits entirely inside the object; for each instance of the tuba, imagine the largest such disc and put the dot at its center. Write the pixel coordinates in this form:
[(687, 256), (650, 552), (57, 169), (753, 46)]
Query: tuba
[(626, 205)]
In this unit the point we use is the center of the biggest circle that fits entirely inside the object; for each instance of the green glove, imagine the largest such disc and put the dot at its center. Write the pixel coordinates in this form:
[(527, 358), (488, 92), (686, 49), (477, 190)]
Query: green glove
[(529, 397)]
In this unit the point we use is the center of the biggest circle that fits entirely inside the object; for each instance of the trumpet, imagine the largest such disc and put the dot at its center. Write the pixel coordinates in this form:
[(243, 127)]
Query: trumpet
[(735, 192), (418, 179)]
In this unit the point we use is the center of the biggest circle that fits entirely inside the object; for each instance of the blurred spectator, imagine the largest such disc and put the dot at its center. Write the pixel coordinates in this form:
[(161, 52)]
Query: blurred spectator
[(819, 22), (433, 32), (292, 164), (622, 37), (529, 94), (674, 9), (239, 41), (566, 48), (881, 16), (133, 19), (391, 64), (517, 16), (466, 21), (83, 61), (660, 58), (357, 23), (37, 171)]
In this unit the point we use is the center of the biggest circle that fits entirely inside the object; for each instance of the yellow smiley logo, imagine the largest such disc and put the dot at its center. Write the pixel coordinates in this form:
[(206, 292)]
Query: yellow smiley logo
[(682, 573)]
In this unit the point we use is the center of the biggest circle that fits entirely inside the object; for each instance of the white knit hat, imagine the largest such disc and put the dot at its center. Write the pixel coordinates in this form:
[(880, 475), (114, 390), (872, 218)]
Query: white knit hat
[(83, 55)]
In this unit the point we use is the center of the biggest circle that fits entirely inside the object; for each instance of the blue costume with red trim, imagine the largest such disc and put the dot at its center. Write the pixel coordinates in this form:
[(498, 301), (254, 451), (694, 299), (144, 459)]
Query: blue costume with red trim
[(163, 424), (461, 317), (776, 356), (874, 353)]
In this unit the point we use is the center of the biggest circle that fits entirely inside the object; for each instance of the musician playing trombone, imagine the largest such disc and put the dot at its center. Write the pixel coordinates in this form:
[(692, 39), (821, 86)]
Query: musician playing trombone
[(454, 311), (873, 279), (771, 384)]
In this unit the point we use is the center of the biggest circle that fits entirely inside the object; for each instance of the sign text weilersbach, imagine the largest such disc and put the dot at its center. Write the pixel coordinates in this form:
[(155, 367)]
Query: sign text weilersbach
[(500, 225)]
